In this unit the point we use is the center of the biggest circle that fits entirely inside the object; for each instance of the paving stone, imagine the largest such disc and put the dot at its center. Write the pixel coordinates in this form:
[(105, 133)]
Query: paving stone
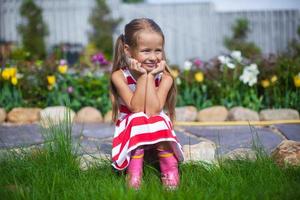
[(185, 139), (97, 130), (17, 136), (291, 131), (94, 146), (230, 138)]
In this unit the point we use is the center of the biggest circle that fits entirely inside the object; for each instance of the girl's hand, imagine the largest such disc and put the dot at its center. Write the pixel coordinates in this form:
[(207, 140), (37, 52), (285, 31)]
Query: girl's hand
[(136, 66), (160, 68)]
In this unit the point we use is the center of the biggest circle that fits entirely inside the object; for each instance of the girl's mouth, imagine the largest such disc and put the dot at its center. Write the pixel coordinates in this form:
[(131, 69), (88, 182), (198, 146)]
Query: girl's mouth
[(150, 65)]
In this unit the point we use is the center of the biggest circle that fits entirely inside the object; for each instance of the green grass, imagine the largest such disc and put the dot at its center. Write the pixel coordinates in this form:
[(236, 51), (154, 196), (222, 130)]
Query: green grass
[(53, 172)]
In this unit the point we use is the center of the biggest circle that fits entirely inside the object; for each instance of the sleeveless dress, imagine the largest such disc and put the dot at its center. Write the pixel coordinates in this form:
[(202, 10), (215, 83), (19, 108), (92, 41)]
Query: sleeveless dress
[(137, 129)]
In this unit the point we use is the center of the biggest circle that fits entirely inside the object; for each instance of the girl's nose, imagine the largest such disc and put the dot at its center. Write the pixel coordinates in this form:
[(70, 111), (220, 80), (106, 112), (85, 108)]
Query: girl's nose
[(152, 56)]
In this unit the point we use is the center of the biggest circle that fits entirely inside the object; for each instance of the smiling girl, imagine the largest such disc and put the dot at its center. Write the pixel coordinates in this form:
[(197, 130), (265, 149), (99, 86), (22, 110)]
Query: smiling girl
[(142, 88)]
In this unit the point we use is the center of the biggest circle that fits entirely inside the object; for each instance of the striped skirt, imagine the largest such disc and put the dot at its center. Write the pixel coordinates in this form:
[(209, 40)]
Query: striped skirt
[(137, 129)]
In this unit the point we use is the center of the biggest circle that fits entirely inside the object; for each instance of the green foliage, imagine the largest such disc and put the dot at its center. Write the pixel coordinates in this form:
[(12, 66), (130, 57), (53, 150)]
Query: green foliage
[(238, 41), (33, 30), (103, 26), (294, 45), (10, 97), (53, 172)]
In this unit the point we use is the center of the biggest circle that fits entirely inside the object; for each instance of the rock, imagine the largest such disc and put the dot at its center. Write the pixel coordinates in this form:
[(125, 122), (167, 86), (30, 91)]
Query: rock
[(287, 152), (203, 151), (241, 154), (88, 115), (213, 114), (242, 114), (2, 115), (108, 117), (279, 114), (24, 115), (186, 113), (55, 115), (89, 160)]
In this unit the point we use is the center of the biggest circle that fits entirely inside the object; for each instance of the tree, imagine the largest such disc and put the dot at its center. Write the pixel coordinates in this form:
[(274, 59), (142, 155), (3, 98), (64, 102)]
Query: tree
[(103, 27), (238, 41), (33, 29)]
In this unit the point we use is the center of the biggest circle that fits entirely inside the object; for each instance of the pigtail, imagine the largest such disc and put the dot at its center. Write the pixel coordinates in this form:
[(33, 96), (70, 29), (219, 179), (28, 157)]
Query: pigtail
[(171, 97), (118, 62)]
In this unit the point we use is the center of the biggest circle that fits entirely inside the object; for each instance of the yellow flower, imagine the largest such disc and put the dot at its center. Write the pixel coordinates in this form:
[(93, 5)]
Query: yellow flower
[(8, 73), (274, 79), (5, 74), (62, 69), (51, 80), (297, 80), (174, 73), (265, 83), (13, 71), (199, 76), (14, 80)]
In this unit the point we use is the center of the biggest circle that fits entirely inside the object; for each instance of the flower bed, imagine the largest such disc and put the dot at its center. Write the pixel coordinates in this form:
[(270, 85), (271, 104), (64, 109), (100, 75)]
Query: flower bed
[(229, 80)]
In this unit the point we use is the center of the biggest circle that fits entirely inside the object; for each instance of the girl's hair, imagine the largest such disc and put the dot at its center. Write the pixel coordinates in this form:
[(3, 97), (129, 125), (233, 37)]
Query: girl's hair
[(132, 30)]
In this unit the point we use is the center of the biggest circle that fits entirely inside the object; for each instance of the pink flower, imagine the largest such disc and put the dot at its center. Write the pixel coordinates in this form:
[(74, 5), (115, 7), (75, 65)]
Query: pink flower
[(62, 62), (70, 89), (99, 58), (197, 62)]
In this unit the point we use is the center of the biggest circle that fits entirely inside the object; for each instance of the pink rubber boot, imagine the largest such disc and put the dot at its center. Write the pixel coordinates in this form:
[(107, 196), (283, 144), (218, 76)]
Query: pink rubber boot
[(135, 169), (169, 169)]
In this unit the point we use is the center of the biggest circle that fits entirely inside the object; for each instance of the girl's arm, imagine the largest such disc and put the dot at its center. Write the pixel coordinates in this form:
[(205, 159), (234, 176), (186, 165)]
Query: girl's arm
[(135, 101), (156, 97)]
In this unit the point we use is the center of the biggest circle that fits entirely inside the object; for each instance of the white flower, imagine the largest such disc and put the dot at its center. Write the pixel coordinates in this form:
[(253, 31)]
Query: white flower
[(249, 75), (230, 65), (178, 81), (237, 55), (18, 75), (224, 59), (187, 65)]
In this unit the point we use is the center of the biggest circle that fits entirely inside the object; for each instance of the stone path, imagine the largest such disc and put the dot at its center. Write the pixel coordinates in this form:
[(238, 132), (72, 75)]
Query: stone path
[(96, 138)]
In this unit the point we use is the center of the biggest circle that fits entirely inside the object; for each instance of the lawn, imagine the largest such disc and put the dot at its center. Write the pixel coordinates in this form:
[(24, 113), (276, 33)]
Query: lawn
[(53, 172)]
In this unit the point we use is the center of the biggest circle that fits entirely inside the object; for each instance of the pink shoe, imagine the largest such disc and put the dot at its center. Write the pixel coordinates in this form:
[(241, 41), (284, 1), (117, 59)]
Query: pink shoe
[(169, 169), (135, 169)]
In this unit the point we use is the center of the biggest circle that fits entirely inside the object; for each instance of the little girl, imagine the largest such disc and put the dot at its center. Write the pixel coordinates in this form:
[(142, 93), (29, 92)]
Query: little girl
[(142, 86)]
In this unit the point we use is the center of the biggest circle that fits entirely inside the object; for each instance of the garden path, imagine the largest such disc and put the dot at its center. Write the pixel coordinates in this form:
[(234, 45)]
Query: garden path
[(96, 138)]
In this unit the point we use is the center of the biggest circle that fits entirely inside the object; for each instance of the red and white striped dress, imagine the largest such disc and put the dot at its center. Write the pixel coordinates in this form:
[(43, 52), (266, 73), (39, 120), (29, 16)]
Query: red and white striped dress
[(137, 129)]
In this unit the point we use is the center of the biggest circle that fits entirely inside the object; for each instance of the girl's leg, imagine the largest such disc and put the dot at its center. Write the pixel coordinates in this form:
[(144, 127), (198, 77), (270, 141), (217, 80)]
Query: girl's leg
[(135, 168), (168, 166)]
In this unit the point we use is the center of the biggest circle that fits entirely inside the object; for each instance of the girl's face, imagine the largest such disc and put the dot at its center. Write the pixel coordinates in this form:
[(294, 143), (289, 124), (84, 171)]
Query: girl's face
[(149, 50)]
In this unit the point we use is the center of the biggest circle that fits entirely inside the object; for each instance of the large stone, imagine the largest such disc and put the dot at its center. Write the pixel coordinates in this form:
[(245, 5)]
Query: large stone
[(186, 113), (24, 115), (203, 151), (279, 114), (287, 152), (89, 160), (213, 114), (242, 114), (241, 154), (108, 117), (55, 115), (88, 115), (2, 115)]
